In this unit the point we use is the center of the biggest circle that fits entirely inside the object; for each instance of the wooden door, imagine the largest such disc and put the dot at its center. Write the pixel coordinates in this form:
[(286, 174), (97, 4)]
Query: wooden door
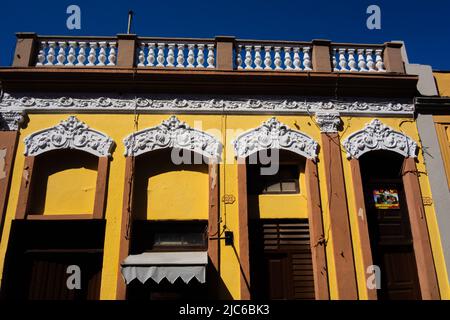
[(281, 261), (48, 274), (391, 240)]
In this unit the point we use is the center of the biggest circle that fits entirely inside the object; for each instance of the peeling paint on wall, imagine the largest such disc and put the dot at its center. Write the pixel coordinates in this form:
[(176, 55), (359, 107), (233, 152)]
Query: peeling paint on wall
[(2, 163)]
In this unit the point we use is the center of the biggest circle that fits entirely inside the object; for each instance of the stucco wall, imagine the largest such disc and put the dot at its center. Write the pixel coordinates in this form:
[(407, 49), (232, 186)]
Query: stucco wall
[(117, 126)]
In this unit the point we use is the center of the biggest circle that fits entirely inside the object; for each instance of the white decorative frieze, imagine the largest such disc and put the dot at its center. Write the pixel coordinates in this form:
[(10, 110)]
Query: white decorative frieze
[(328, 122), (203, 104), (377, 136), (273, 134), (172, 133), (69, 134), (10, 120)]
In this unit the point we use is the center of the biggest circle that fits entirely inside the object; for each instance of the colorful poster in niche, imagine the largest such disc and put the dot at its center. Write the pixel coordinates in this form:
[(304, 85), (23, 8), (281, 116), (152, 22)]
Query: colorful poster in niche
[(386, 199)]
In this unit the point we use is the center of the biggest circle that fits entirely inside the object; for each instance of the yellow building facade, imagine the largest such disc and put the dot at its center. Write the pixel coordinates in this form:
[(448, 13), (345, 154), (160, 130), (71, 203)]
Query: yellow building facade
[(85, 152)]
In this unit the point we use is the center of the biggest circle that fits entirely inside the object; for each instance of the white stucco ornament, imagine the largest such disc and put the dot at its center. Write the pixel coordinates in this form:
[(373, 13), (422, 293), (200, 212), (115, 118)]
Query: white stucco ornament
[(377, 136), (69, 134), (172, 133), (273, 134)]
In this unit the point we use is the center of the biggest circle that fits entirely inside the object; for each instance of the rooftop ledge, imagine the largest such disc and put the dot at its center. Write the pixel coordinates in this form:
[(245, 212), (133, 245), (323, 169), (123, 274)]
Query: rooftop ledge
[(222, 53)]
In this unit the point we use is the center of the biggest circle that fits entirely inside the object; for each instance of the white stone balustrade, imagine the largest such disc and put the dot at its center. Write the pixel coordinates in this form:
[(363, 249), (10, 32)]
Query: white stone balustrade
[(273, 57), (77, 53), (176, 55), (346, 59)]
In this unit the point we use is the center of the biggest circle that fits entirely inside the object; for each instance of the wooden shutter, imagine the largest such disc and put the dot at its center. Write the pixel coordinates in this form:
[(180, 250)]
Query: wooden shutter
[(288, 243)]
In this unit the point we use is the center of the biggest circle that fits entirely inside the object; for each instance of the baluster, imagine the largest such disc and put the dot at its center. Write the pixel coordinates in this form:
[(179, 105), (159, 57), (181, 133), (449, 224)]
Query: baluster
[(239, 57), (258, 60), (112, 54), (361, 61), (369, 60), (248, 58), (160, 59), (71, 58), (81, 54), (211, 59), (267, 58), (297, 61), (41, 55), (141, 56), (151, 54), (342, 60), (379, 60), (102, 54), (170, 55), (287, 58), (92, 54), (201, 56), (277, 58), (61, 53), (306, 59), (335, 68), (51, 53), (351, 60), (191, 57), (180, 56)]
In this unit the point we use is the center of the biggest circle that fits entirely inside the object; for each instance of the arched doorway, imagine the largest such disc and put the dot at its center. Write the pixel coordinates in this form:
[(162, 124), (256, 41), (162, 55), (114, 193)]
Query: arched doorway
[(284, 250), (389, 227), (161, 233), (391, 218)]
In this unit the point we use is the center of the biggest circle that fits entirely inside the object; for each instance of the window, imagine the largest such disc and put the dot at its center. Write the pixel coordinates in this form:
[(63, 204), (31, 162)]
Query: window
[(168, 236), (179, 239), (286, 180)]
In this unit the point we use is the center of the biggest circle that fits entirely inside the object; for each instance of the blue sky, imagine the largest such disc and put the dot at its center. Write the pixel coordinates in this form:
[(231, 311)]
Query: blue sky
[(423, 25)]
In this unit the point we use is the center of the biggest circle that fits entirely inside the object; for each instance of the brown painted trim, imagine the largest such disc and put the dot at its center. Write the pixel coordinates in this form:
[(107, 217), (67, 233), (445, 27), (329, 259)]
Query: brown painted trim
[(421, 241), (235, 82), (126, 50), (393, 59), (244, 250), (321, 58), (361, 217), (26, 49), (224, 53), (317, 235), (59, 216), (25, 188), (125, 227), (8, 142), (339, 219), (213, 222), (101, 189)]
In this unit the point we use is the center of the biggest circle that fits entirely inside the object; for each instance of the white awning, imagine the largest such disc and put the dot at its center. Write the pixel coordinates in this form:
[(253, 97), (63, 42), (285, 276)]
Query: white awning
[(170, 265)]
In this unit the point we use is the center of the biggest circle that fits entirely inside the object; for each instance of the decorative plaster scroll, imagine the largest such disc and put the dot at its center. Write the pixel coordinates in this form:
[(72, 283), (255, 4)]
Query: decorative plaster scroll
[(328, 121), (202, 104), (10, 120), (172, 133), (273, 134), (69, 134), (377, 136)]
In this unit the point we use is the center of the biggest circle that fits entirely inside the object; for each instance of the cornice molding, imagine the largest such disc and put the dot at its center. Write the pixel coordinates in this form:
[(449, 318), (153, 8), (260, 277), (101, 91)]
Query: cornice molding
[(202, 104), (377, 136), (172, 133), (274, 134), (11, 120), (328, 122), (69, 134)]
